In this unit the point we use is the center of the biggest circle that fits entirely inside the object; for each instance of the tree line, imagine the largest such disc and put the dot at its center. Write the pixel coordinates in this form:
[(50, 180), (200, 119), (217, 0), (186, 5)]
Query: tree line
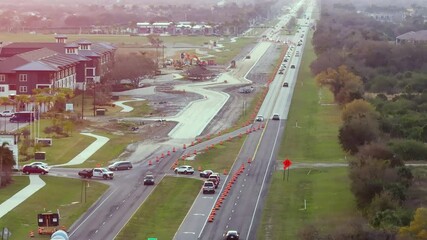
[(380, 87)]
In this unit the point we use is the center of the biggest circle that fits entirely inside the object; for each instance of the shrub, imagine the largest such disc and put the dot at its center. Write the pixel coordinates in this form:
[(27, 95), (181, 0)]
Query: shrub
[(408, 149)]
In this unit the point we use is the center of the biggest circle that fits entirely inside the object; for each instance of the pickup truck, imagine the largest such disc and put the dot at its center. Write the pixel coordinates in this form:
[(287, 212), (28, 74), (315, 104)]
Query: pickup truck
[(96, 172)]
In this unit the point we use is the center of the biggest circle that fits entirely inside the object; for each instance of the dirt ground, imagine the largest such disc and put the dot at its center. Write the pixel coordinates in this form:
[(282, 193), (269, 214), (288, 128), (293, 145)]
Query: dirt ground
[(167, 102)]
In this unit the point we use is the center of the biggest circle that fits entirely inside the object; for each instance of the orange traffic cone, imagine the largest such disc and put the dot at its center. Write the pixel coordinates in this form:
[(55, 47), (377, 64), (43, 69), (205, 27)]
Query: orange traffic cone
[(31, 234), (150, 163), (185, 147), (173, 150)]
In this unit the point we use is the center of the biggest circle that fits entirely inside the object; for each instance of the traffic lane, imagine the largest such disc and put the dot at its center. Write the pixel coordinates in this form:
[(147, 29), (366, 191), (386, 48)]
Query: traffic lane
[(106, 218), (192, 226), (238, 212), (197, 216), (123, 198)]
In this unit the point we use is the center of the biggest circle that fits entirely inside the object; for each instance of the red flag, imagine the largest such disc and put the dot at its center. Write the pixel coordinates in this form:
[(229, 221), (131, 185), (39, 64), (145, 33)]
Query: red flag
[(287, 163)]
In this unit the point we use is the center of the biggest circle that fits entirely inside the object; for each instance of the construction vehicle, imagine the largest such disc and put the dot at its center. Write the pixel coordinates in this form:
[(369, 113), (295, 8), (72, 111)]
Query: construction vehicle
[(48, 223)]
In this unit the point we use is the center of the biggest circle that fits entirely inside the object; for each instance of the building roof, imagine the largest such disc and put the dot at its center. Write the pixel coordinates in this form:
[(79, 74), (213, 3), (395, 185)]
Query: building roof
[(36, 66), (8, 64), (415, 36)]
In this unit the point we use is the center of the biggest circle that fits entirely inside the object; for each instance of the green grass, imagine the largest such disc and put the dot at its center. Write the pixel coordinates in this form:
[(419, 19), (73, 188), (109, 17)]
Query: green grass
[(111, 150), (17, 184), (219, 158), (120, 40), (62, 149), (326, 192), (231, 49), (141, 108), (163, 211), (315, 139), (59, 193)]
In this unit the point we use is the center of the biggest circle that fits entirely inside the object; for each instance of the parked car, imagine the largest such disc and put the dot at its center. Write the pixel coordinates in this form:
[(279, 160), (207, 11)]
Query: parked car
[(7, 113), (209, 187), (25, 116), (205, 173), (96, 172), (232, 235), (149, 180), (35, 169), (185, 169), (120, 165), (285, 84)]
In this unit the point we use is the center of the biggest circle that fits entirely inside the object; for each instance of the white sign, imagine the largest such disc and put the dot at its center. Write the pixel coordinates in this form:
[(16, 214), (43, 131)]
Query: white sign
[(69, 107)]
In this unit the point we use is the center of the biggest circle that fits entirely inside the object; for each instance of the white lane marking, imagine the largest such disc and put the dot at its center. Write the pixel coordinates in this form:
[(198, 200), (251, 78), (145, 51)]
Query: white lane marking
[(92, 213), (208, 197), (199, 214), (263, 182), (189, 232)]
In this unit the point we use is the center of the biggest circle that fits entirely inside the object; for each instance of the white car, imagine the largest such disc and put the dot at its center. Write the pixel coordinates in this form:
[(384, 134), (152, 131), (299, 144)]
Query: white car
[(259, 118), (43, 164), (185, 169), (6, 113)]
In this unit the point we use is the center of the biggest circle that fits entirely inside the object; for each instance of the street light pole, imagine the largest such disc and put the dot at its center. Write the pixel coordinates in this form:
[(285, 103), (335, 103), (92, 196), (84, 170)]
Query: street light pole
[(83, 98), (94, 97)]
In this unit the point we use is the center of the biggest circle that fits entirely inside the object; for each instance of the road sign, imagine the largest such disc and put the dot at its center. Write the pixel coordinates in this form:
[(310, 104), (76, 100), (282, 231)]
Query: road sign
[(287, 163)]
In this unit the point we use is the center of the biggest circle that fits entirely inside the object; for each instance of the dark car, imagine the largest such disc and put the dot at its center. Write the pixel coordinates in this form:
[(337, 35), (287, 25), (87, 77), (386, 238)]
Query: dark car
[(120, 165), (149, 180), (232, 234), (285, 84), (293, 66), (35, 169), (206, 173)]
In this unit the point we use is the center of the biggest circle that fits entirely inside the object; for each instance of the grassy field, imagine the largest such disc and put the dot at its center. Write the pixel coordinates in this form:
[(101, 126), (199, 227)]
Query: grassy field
[(231, 49), (18, 184), (23, 218), (65, 149), (170, 201), (219, 158), (313, 122), (120, 40), (310, 136), (328, 201)]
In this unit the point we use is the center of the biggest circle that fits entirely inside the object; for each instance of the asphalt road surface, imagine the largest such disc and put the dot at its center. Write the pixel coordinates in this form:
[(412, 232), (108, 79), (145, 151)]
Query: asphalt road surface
[(241, 209)]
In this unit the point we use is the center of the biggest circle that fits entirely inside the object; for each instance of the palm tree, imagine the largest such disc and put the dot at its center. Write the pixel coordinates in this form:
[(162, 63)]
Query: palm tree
[(22, 99), (6, 164)]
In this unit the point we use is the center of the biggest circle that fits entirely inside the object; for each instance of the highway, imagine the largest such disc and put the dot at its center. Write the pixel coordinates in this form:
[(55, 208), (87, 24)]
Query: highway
[(241, 210)]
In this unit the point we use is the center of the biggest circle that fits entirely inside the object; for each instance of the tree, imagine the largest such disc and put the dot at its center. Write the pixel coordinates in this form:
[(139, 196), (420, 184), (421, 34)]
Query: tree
[(418, 227), (6, 163), (379, 151), (133, 67), (357, 132), (344, 85), (359, 108)]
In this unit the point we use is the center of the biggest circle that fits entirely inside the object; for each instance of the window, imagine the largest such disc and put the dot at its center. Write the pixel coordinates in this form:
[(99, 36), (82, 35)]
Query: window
[(22, 89), (23, 77), (90, 72), (2, 78), (2, 89)]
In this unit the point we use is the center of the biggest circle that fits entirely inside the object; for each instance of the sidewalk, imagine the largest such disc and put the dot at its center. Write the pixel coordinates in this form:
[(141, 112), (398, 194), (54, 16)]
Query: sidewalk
[(36, 183)]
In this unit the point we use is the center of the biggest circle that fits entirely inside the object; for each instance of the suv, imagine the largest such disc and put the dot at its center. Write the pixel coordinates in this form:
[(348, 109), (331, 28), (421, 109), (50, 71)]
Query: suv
[(232, 234), (35, 169), (184, 169), (6, 113), (120, 165), (149, 180), (209, 187), (214, 177), (285, 84), (259, 118)]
